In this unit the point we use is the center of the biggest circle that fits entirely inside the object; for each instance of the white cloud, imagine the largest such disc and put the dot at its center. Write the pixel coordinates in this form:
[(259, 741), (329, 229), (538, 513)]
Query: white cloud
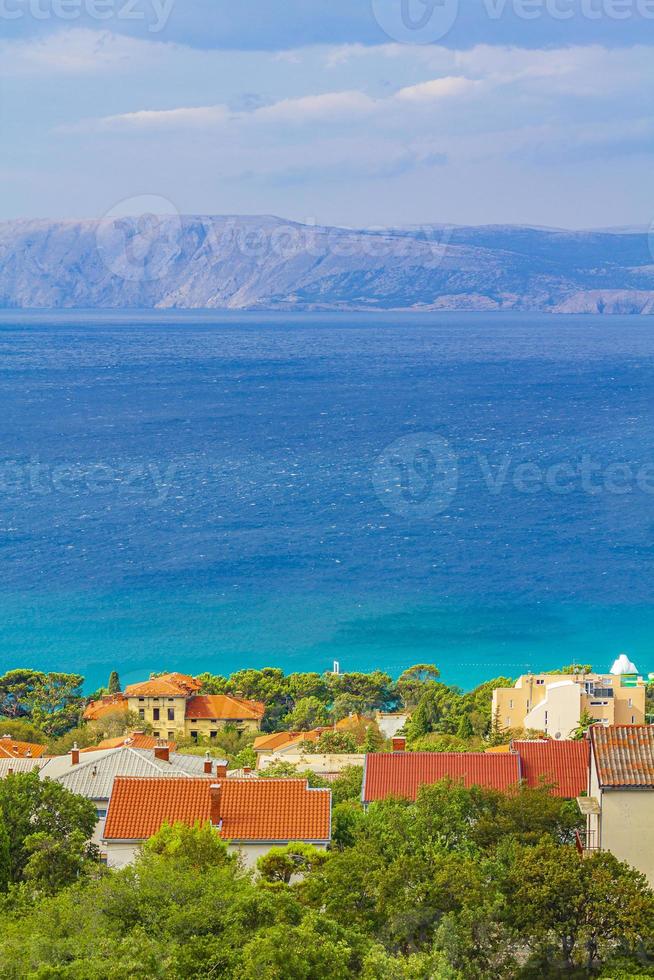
[(78, 51), (330, 105), (437, 88), (200, 116)]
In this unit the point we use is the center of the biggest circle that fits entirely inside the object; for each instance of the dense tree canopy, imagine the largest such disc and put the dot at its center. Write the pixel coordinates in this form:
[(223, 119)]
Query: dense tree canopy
[(458, 885)]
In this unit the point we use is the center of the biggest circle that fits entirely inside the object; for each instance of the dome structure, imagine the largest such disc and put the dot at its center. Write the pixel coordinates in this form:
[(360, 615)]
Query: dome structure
[(623, 665)]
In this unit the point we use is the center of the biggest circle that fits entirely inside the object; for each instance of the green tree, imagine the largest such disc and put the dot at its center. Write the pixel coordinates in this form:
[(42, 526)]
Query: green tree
[(347, 785), (5, 855), (333, 742), (307, 714), (113, 687), (316, 949), (54, 862), (199, 847), (212, 683), (581, 729), (410, 685), (281, 864), (33, 807), (589, 908)]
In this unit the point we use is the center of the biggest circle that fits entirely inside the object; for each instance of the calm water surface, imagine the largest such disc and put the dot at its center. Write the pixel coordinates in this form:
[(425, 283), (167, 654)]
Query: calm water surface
[(201, 491)]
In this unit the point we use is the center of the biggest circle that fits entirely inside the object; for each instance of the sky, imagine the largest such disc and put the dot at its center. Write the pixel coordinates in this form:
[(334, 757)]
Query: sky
[(363, 113)]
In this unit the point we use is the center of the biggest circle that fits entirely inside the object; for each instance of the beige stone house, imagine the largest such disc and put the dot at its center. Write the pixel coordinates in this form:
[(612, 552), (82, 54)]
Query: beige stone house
[(175, 709)]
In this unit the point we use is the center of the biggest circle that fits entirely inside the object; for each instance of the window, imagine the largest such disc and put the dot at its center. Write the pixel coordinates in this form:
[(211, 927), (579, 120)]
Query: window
[(156, 734), (630, 703), (171, 735), (540, 680), (171, 714), (141, 699), (171, 700), (510, 704), (194, 735), (142, 713), (545, 719), (155, 714), (155, 699), (101, 814), (212, 734), (632, 719)]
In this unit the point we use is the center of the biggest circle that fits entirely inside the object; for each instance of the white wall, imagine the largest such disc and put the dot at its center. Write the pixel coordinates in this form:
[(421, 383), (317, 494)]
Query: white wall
[(558, 712)]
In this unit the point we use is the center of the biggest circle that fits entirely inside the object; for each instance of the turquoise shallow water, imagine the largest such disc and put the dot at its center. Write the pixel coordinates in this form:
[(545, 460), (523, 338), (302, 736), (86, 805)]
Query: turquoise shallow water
[(194, 491)]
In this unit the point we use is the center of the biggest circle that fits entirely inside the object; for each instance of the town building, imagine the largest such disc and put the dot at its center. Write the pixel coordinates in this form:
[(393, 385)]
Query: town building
[(175, 709), (136, 740), (251, 815), (555, 703), (12, 748), (619, 808), (560, 766)]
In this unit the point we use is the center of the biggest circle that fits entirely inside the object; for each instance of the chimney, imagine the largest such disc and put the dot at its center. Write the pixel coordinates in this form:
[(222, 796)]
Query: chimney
[(208, 765), (162, 751), (247, 770), (74, 755), (399, 744), (10, 772), (216, 795), (221, 770)]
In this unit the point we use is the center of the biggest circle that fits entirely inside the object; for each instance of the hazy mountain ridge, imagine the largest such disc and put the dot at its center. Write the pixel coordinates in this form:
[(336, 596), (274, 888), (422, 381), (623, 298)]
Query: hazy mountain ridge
[(265, 263)]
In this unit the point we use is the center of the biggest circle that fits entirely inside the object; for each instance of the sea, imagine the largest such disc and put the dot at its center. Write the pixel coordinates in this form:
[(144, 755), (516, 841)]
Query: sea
[(210, 491)]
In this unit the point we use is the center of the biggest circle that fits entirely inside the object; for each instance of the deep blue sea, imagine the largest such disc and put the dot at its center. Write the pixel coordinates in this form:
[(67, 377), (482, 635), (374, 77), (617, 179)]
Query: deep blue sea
[(201, 491)]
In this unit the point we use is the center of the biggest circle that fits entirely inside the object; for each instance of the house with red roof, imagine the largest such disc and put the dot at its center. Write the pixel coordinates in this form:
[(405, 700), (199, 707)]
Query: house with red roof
[(561, 766), (251, 815), (11, 748), (404, 773), (619, 808)]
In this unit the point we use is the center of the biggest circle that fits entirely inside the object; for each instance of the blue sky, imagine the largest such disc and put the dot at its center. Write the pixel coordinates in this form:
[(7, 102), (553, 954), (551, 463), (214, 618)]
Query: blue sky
[(355, 113)]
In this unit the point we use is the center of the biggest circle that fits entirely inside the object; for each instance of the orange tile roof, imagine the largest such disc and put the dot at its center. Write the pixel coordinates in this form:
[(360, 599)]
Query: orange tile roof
[(273, 741), (403, 773), (224, 707), (139, 806), (247, 809), (563, 764), (168, 685), (109, 704), (136, 740), (10, 748), (623, 754), (274, 810)]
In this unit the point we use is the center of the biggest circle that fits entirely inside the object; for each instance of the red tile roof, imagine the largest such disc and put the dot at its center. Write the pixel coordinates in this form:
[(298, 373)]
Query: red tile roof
[(10, 748), (561, 764), (168, 685), (248, 809), (403, 773), (274, 810), (224, 707), (139, 806), (623, 754), (110, 704)]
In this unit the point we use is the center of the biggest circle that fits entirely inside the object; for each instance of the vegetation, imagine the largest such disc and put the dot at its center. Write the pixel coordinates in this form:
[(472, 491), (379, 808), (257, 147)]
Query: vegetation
[(459, 885)]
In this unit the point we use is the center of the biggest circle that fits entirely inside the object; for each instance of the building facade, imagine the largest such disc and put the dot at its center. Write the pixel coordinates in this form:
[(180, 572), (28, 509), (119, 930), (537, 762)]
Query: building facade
[(619, 808), (175, 709), (555, 703)]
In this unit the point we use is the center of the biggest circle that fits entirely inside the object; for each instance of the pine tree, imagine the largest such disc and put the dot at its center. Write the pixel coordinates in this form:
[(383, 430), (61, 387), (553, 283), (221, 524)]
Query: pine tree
[(114, 683)]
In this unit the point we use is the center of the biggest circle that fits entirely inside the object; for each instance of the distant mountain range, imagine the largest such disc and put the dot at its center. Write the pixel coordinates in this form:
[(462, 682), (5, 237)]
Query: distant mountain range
[(266, 263)]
